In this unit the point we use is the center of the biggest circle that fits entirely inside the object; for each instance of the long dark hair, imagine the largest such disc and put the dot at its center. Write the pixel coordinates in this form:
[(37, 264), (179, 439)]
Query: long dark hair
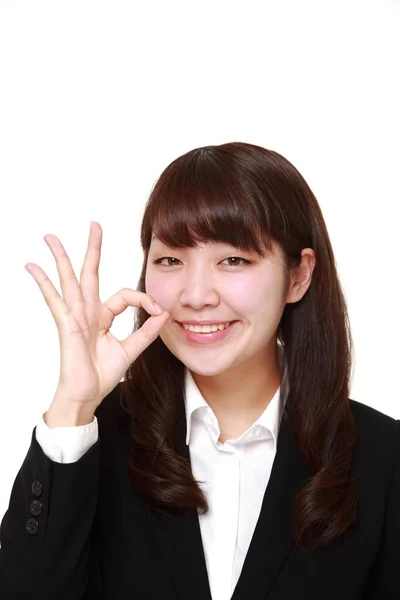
[(248, 196)]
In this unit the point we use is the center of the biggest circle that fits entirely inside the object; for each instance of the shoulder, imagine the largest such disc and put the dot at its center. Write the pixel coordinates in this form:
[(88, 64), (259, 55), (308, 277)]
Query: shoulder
[(378, 441), (372, 421), (366, 416)]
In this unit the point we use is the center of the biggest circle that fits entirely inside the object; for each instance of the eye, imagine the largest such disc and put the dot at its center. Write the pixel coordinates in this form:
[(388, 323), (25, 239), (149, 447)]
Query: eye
[(158, 261), (237, 258)]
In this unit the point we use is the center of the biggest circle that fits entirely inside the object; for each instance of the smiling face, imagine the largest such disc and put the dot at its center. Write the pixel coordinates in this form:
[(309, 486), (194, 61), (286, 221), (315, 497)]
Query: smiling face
[(215, 281)]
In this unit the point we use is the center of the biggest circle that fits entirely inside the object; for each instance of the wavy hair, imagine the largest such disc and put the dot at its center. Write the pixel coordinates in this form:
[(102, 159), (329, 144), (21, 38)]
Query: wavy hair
[(248, 196)]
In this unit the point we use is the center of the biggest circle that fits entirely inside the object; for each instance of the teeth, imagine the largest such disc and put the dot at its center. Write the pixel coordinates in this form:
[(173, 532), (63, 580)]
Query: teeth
[(206, 328)]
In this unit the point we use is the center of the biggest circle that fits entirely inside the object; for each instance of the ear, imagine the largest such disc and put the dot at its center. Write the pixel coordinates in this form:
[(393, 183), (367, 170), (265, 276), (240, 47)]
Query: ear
[(301, 276)]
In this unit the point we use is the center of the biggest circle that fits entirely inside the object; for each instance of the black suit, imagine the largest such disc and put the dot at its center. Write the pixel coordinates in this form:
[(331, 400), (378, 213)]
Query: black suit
[(80, 530)]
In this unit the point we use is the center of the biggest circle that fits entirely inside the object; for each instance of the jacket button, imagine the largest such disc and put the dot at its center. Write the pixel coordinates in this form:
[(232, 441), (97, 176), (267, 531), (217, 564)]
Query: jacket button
[(32, 526), (37, 488), (36, 507)]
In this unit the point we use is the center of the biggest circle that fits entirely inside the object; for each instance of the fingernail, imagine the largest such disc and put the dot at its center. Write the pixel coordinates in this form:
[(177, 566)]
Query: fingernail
[(157, 308)]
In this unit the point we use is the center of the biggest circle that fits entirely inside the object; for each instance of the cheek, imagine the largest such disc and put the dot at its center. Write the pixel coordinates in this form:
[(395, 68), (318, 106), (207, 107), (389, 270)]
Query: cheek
[(240, 294), (162, 294), (257, 295)]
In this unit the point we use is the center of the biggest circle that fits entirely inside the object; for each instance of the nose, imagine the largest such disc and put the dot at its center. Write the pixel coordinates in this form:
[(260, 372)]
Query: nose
[(199, 290)]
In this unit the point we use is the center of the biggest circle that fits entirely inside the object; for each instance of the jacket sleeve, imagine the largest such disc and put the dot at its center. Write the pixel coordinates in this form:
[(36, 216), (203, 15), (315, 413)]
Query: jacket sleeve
[(47, 535), (384, 580)]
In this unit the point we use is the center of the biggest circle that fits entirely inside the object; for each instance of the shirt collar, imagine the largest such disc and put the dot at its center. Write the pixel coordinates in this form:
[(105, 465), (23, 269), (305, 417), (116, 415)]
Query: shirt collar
[(270, 418)]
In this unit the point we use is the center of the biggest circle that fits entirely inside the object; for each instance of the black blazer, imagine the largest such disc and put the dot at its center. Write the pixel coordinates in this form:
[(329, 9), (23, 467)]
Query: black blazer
[(81, 531)]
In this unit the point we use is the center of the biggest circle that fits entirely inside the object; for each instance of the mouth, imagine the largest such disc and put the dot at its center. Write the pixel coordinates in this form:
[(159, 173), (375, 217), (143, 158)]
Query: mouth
[(207, 337)]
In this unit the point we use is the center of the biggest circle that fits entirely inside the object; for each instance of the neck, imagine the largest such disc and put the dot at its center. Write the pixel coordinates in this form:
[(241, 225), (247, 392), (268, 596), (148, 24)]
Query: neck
[(240, 395)]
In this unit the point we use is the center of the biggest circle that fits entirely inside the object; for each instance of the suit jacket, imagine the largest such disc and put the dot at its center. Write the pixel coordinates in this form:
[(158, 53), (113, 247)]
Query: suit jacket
[(81, 530)]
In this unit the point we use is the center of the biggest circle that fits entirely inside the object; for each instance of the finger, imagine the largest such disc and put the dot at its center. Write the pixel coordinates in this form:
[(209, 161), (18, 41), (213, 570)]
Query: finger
[(71, 291), (89, 277), (138, 341), (128, 297), (54, 301)]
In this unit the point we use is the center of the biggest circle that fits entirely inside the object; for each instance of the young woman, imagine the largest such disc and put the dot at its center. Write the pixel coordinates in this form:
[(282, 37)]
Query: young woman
[(218, 462)]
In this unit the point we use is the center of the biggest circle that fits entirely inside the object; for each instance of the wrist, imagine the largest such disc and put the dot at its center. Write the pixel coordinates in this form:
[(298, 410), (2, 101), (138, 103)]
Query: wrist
[(60, 415)]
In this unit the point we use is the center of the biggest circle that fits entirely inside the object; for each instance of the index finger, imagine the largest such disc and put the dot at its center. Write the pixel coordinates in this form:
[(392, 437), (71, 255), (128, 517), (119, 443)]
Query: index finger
[(89, 277)]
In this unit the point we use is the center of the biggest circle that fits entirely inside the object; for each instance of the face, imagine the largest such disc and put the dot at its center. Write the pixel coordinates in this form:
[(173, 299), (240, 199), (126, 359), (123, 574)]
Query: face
[(217, 282)]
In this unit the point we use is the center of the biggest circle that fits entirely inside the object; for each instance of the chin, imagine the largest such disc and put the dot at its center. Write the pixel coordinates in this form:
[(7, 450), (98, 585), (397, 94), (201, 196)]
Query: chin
[(206, 367)]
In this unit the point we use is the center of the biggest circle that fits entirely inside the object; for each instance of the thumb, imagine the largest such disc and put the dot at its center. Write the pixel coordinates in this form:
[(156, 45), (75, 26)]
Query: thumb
[(138, 341)]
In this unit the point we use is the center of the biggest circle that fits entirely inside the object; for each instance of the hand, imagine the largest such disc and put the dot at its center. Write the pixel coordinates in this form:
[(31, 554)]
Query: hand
[(92, 360)]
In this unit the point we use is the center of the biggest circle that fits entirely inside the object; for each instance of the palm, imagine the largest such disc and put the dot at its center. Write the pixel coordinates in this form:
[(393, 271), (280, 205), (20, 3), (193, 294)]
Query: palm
[(92, 355)]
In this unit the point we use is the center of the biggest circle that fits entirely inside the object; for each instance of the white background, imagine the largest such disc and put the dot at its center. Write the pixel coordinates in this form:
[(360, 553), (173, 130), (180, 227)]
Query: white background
[(97, 98)]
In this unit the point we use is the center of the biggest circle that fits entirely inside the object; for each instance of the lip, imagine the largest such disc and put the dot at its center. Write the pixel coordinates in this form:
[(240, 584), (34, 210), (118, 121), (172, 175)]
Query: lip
[(207, 338), (205, 322)]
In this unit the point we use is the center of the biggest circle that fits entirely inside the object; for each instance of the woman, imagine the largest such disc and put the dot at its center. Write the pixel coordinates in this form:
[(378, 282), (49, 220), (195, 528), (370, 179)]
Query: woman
[(227, 463)]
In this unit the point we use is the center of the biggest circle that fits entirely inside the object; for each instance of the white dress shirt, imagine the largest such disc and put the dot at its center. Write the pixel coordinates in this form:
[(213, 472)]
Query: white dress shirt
[(235, 475)]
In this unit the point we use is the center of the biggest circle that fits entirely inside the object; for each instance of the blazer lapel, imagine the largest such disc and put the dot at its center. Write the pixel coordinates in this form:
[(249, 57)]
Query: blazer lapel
[(272, 539), (180, 540)]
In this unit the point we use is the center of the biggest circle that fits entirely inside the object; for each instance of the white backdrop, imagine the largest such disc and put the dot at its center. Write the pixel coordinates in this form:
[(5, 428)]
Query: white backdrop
[(97, 98)]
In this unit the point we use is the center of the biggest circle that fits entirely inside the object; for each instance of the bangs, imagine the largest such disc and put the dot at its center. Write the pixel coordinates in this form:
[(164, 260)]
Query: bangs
[(202, 198)]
